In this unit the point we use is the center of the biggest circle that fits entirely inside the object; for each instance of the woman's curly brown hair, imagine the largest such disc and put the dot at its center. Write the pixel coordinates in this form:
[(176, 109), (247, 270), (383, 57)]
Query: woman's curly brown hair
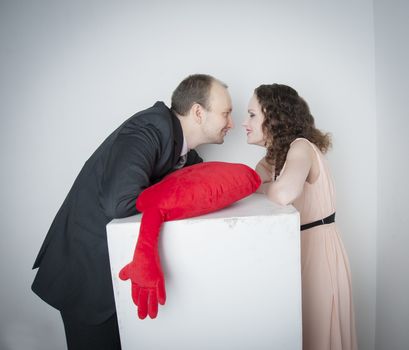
[(286, 118)]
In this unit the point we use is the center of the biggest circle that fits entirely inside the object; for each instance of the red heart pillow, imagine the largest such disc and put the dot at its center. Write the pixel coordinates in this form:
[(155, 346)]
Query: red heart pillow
[(199, 189), (195, 190)]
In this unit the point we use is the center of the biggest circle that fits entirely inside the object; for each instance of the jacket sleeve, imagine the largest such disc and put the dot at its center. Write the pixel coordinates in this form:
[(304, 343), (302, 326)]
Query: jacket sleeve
[(128, 169)]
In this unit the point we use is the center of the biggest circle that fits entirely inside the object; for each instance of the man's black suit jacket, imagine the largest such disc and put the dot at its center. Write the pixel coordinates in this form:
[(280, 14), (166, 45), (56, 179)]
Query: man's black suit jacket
[(74, 273)]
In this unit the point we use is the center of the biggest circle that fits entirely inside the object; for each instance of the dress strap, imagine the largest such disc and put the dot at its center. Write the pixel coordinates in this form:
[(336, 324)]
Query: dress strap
[(317, 155)]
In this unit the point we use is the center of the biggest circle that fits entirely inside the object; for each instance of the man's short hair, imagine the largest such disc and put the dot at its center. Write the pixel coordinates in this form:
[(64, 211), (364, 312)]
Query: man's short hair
[(193, 89)]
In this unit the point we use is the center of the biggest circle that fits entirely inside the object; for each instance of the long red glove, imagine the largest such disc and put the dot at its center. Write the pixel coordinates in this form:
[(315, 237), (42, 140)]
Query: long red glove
[(145, 271)]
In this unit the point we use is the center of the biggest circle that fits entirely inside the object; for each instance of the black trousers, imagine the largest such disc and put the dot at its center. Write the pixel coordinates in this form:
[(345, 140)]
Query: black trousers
[(80, 336)]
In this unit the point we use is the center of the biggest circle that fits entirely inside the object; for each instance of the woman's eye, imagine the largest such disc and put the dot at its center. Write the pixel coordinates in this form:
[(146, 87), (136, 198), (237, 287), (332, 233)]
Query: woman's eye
[(251, 115)]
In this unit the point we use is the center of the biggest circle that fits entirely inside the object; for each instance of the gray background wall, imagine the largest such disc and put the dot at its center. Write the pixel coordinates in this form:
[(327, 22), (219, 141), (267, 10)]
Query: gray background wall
[(392, 87), (71, 72)]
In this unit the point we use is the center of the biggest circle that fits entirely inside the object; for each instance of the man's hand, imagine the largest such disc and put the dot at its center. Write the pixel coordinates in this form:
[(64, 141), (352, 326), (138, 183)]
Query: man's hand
[(148, 284)]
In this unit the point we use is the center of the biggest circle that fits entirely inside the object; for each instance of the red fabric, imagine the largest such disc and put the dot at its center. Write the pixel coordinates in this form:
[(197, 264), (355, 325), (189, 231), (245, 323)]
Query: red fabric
[(195, 190)]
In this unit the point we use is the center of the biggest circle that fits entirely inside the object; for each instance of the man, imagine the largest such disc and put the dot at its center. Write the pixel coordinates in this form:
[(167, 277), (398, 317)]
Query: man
[(74, 273)]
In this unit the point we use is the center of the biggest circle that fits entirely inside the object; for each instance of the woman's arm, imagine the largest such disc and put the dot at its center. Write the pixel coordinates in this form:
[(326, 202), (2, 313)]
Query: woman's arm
[(265, 171), (291, 182)]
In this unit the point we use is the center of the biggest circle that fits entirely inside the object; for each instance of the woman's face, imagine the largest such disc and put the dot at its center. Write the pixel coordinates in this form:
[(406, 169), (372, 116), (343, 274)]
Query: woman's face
[(253, 123)]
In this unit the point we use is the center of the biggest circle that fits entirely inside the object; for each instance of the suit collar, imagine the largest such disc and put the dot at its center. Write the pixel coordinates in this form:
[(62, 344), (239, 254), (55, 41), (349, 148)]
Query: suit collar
[(177, 132), (178, 137)]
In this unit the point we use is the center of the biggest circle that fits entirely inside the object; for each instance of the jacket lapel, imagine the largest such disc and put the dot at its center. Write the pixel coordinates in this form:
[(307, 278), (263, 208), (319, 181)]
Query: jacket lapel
[(178, 139)]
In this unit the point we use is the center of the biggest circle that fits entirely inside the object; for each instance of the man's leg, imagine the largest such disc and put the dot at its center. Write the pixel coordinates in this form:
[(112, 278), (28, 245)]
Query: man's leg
[(80, 336)]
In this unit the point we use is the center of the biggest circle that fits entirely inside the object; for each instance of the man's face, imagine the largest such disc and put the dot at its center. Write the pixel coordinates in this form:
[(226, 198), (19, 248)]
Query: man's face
[(217, 120)]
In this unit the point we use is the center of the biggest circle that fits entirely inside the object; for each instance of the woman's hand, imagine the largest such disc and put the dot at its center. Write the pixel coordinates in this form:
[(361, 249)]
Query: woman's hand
[(265, 170)]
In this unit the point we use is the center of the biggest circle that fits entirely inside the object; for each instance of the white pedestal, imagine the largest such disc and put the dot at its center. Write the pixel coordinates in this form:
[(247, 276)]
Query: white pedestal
[(233, 280)]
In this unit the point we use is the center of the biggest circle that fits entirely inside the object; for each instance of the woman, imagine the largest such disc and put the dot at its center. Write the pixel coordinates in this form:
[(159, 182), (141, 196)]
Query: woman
[(294, 171)]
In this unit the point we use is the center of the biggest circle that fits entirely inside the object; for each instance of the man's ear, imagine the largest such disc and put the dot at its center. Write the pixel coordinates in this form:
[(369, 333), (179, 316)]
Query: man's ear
[(197, 112)]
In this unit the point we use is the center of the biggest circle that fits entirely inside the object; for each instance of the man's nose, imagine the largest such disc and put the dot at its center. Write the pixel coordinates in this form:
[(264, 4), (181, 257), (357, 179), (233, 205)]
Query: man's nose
[(230, 122)]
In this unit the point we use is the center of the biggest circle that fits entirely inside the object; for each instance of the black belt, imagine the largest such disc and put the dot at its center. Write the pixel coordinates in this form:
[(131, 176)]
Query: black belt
[(328, 220)]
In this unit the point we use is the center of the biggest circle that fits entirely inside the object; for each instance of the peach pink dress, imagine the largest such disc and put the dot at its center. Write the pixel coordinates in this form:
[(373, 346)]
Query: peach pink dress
[(327, 306)]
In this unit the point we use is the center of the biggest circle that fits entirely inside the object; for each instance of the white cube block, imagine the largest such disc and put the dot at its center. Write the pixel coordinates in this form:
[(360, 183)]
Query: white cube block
[(232, 277)]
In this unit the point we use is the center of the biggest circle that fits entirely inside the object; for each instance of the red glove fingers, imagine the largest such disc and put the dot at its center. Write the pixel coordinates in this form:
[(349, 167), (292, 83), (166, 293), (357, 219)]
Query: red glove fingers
[(143, 303), (161, 292), (135, 293), (152, 304)]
